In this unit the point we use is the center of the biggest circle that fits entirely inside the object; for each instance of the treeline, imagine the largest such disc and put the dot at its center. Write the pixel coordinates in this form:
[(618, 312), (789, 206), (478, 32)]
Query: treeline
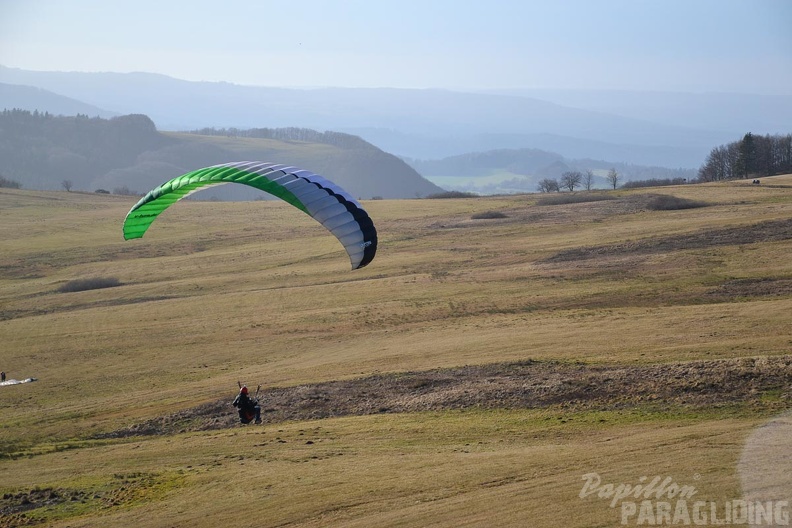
[(654, 182), (338, 139), (36, 147), (751, 157), (9, 184), (631, 172)]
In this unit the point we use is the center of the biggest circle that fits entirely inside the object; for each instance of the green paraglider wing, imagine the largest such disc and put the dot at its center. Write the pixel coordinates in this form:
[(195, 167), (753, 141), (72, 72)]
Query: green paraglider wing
[(316, 196)]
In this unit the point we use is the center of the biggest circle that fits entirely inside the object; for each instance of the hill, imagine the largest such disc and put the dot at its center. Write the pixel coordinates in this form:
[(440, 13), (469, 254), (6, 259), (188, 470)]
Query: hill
[(31, 98), (734, 113), (506, 171), (422, 124), (127, 154), (473, 374)]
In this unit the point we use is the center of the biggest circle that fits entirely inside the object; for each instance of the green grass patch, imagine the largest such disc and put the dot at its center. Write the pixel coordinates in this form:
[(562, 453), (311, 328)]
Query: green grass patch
[(95, 495), (772, 396)]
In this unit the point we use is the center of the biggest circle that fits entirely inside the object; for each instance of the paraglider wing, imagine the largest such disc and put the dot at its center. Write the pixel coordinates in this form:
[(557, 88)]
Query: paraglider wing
[(323, 200)]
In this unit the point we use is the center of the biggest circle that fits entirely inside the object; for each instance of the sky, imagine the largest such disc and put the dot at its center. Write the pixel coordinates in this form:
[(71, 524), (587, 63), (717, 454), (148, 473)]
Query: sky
[(698, 46)]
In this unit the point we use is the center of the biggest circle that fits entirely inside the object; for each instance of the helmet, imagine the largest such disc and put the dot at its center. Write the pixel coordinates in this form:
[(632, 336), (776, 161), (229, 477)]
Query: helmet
[(243, 390)]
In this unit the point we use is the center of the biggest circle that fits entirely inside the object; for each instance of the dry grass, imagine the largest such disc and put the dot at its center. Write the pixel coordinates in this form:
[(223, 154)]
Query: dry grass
[(220, 292), (504, 468)]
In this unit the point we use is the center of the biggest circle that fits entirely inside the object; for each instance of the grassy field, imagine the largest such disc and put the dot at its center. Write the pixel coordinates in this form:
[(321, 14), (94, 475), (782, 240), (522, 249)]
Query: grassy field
[(257, 292)]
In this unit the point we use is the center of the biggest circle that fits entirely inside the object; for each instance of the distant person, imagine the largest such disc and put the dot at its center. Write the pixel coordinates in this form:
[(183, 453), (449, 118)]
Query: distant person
[(2, 376), (249, 408)]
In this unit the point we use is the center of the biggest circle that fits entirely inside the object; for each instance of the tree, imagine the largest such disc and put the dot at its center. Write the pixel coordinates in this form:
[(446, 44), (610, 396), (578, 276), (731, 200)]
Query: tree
[(588, 179), (613, 178), (570, 180), (746, 162), (548, 185), (717, 166), (11, 184), (67, 184), (782, 148), (123, 191)]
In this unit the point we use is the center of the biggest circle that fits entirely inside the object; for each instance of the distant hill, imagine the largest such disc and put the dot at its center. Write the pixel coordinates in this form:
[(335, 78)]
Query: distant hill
[(522, 161), (421, 124), (733, 113), (520, 170), (127, 154), (32, 98)]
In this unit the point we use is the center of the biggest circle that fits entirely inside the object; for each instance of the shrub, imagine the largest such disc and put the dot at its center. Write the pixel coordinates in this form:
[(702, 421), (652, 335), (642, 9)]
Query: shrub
[(488, 215), (94, 283), (570, 198), (664, 202), (453, 194), (10, 184), (654, 182)]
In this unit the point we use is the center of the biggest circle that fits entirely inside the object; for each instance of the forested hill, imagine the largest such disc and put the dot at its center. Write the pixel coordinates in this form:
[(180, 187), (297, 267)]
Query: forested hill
[(127, 154)]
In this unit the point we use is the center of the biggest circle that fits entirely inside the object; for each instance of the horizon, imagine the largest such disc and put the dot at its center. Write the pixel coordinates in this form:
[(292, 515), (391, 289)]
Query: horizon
[(731, 46), (497, 91)]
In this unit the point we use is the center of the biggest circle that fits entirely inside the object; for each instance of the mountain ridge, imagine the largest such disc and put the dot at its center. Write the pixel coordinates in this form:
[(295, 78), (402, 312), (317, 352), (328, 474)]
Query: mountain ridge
[(432, 123)]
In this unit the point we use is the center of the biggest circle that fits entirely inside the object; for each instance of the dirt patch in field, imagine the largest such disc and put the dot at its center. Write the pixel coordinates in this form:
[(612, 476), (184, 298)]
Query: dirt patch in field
[(752, 288), (528, 384), (769, 231)]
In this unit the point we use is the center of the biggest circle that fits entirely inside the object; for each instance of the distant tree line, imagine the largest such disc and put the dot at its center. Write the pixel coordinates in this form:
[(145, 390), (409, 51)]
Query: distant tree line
[(572, 179), (451, 194), (750, 157), (9, 184), (632, 172), (338, 139), (654, 182), (38, 148)]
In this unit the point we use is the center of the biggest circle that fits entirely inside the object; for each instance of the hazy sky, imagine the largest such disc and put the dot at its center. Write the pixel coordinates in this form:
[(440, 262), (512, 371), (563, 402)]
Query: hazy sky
[(680, 45)]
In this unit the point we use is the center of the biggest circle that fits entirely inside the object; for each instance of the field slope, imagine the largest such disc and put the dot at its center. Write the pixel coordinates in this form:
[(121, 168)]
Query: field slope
[(495, 352)]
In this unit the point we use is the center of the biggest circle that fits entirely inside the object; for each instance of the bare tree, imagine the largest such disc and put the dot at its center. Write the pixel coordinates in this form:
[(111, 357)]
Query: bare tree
[(588, 179), (11, 184), (570, 180), (613, 178), (67, 184), (123, 191), (548, 185), (717, 167)]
